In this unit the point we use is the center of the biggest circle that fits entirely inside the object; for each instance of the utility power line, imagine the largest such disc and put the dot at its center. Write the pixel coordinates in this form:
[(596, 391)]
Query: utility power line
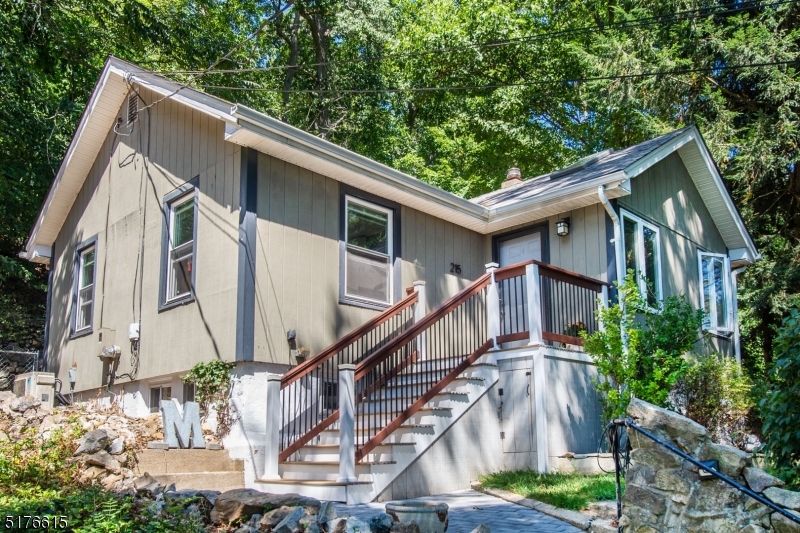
[(562, 81), (670, 18)]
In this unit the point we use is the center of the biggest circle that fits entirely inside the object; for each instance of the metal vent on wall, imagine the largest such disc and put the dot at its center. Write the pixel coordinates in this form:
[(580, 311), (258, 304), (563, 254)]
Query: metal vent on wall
[(133, 107)]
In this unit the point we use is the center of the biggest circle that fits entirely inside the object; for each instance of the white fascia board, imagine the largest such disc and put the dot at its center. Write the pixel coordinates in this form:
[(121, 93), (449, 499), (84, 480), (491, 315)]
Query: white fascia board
[(504, 216), (297, 139), (31, 243), (740, 257), (660, 153)]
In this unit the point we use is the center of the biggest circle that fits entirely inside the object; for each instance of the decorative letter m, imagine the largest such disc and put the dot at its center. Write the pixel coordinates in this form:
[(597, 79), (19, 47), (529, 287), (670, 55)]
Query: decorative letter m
[(178, 430)]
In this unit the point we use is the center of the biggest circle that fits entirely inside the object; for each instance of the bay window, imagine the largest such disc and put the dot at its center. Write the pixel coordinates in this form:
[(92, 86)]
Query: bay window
[(715, 292), (643, 256)]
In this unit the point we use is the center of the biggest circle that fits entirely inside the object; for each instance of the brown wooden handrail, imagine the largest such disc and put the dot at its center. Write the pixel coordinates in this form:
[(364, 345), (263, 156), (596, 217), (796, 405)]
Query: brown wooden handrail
[(307, 366), (398, 342), (550, 271), (422, 400)]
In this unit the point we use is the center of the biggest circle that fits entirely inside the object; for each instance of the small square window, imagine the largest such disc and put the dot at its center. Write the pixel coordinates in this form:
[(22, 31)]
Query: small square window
[(188, 392), (158, 393)]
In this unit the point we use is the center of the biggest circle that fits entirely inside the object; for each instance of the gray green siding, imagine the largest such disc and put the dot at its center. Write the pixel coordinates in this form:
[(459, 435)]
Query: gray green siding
[(666, 196), (180, 144)]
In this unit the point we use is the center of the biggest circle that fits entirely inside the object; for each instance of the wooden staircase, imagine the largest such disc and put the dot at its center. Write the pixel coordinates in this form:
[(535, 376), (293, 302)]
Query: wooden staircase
[(314, 468), (355, 416)]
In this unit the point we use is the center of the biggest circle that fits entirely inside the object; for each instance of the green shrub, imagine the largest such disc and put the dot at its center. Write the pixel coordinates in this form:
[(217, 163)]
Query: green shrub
[(212, 382), (30, 462), (780, 408), (716, 394), (657, 341)]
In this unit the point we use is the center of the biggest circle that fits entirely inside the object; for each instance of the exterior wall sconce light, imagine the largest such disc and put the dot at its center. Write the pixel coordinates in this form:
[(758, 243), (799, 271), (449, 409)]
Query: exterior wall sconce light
[(562, 227)]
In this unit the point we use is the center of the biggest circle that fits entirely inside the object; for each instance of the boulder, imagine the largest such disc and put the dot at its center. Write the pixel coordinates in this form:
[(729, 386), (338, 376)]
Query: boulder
[(327, 512), (23, 403), (6, 395), (381, 523), (103, 459), (350, 524), (313, 527), (93, 441), (781, 524), (291, 522), (758, 480), (273, 518), (483, 528), (784, 498), (117, 446), (668, 425), (237, 503), (731, 460)]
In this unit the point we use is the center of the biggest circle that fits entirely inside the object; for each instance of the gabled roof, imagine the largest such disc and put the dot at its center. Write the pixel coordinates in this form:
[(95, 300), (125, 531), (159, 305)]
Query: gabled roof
[(555, 193)]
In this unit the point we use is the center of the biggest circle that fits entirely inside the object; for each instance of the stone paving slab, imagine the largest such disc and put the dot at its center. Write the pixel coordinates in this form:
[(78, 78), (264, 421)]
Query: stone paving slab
[(469, 509)]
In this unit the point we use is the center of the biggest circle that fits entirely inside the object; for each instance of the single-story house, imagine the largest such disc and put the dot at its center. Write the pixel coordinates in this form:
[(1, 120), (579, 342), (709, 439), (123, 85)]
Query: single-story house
[(181, 228)]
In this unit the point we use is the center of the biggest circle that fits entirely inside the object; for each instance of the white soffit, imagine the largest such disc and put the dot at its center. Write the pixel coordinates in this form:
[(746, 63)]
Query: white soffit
[(698, 162)]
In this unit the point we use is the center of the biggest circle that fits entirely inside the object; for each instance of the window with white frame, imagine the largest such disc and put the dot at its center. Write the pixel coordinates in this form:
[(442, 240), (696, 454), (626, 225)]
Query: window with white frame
[(715, 291), (368, 251), (158, 393), (643, 255), (180, 247), (84, 300)]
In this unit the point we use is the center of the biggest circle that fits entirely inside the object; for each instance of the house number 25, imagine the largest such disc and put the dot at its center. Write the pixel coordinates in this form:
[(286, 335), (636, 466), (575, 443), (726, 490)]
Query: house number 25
[(455, 269)]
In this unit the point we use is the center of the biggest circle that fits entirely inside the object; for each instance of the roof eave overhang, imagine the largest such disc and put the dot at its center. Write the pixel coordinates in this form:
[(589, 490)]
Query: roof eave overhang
[(693, 151)]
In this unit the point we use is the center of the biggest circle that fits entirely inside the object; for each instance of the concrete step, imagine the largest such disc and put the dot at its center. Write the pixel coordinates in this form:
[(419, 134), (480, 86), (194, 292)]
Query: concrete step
[(186, 461), (220, 481)]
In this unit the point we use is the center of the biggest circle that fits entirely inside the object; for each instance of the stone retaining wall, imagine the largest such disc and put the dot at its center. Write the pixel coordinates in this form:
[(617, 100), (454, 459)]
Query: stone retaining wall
[(665, 493)]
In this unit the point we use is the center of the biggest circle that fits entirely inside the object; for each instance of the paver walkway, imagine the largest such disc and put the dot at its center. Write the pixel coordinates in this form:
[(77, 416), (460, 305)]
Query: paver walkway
[(469, 509)]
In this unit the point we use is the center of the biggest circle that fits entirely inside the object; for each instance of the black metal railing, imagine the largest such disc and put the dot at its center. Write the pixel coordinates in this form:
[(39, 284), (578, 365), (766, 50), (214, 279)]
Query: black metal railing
[(513, 294), (310, 392), (569, 305), (396, 382), (616, 450)]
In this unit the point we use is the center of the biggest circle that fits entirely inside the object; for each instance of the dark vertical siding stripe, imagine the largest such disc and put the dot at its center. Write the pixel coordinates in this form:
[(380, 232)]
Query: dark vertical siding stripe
[(246, 283)]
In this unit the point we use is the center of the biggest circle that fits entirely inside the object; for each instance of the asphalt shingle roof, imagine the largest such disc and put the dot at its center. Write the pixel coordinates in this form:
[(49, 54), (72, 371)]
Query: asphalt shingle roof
[(604, 163)]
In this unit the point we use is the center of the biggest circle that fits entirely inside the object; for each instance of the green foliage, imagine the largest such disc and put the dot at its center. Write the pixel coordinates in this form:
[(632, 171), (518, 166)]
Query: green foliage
[(212, 383), (779, 409), (657, 341), (716, 394), (30, 463), (567, 491)]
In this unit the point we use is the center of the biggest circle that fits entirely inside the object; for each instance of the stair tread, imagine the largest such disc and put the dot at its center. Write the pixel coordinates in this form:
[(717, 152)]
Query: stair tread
[(313, 482), (405, 397), (420, 410), (393, 383), (336, 463), (404, 426), (336, 445)]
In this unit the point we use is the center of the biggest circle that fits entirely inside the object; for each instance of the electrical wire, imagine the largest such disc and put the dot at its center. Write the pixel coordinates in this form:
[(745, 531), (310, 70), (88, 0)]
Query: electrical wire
[(669, 18), (562, 81)]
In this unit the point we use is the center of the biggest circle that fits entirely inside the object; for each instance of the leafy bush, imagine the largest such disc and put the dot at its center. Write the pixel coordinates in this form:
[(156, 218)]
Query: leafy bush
[(32, 463), (656, 343), (212, 382), (779, 409), (716, 394)]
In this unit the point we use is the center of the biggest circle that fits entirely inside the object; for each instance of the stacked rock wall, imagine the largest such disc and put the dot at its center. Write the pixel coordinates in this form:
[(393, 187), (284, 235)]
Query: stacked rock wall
[(665, 493)]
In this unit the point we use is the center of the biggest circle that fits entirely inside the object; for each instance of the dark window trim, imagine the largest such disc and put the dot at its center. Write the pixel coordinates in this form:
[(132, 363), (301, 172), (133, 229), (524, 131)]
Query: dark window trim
[(541, 228), (344, 192), (183, 190), (91, 241)]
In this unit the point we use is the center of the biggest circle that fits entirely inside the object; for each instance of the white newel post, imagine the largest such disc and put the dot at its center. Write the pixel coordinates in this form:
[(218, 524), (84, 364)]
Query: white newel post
[(272, 449), (603, 301), (493, 306), (420, 309), (347, 425), (539, 366)]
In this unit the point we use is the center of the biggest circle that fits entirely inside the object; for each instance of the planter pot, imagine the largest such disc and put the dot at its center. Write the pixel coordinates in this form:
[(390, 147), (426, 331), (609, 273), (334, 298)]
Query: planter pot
[(430, 517)]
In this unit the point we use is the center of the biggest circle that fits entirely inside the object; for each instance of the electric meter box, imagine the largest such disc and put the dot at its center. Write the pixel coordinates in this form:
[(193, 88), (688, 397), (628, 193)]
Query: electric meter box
[(40, 385)]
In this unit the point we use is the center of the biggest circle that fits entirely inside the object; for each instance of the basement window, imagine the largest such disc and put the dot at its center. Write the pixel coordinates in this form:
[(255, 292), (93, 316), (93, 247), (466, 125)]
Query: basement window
[(83, 291), (179, 246), (158, 393)]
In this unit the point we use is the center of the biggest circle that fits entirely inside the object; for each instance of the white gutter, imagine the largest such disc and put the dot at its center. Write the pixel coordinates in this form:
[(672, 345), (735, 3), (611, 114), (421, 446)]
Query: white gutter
[(601, 192), (737, 341)]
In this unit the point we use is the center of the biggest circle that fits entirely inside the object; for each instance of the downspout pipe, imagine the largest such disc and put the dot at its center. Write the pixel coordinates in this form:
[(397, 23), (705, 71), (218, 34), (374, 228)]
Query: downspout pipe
[(601, 192)]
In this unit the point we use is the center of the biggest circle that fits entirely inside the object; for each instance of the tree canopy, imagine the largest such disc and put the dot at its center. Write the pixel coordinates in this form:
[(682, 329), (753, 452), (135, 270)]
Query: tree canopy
[(451, 91)]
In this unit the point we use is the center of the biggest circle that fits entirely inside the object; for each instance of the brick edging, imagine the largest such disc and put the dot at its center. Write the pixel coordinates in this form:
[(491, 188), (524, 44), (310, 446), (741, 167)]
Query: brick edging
[(574, 518)]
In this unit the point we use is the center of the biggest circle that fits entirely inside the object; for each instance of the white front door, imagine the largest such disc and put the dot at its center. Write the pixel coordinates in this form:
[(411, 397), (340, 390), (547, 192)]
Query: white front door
[(520, 249), (512, 296)]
